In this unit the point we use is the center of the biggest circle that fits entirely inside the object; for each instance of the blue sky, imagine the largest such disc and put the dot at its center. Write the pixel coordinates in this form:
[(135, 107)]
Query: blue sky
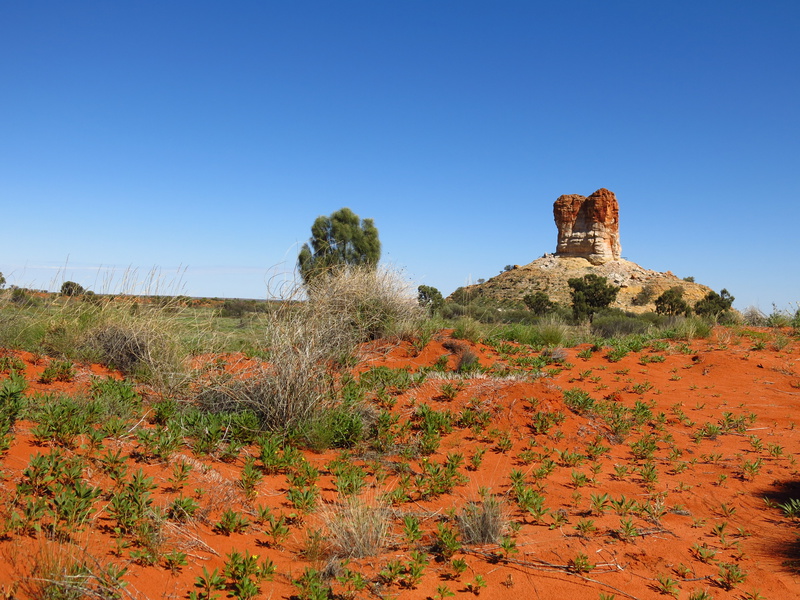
[(201, 139)]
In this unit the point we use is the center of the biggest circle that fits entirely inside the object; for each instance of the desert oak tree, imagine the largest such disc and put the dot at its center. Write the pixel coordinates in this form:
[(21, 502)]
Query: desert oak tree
[(341, 239)]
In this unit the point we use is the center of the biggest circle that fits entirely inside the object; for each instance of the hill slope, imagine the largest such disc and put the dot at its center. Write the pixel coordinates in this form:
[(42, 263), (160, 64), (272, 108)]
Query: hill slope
[(550, 274)]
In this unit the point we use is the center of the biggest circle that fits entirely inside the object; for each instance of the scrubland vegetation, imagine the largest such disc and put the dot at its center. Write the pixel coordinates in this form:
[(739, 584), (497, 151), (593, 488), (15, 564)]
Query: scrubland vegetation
[(349, 441)]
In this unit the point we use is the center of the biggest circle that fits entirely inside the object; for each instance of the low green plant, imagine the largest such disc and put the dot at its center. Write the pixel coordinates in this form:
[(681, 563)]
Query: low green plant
[(580, 564), (231, 522), (174, 560), (58, 371), (182, 508), (311, 585), (415, 569), (666, 585), (578, 400), (411, 529), (730, 575)]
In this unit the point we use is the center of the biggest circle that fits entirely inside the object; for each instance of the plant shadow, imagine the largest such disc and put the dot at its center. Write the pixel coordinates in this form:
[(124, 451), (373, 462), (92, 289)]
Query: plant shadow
[(780, 493)]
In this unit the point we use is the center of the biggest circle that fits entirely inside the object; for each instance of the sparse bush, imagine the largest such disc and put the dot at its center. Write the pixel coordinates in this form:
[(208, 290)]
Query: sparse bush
[(21, 297), (468, 329), (65, 572), (754, 317), (552, 331), (689, 329), (778, 318), (359, 304), (145, 345), (238, 308)]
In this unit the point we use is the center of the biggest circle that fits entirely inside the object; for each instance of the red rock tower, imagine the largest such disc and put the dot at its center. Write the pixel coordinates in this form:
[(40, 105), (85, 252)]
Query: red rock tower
[(588, 227)]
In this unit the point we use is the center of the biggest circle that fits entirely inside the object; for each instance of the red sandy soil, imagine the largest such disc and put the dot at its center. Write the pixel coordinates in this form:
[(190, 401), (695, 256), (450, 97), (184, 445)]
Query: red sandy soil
[(701, 488)]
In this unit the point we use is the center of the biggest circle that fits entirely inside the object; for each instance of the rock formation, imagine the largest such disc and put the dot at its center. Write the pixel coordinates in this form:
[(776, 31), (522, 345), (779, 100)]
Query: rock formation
[(588, 227), (588, 242)]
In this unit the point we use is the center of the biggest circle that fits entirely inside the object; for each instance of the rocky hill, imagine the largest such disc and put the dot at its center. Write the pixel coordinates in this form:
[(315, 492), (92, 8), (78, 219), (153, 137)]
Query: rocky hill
[(588, 242)]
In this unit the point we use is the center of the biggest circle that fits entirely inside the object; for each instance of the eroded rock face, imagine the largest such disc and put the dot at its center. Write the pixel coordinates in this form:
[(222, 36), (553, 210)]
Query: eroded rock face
[(588, 227)]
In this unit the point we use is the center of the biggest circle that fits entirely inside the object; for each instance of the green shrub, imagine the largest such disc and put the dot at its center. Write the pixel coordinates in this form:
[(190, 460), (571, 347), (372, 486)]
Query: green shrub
[(468, 329), (714, 306), (430, 298), (539, 303), (21, 297), (645, 295), (70, 288), (616, 323), (671, 302)]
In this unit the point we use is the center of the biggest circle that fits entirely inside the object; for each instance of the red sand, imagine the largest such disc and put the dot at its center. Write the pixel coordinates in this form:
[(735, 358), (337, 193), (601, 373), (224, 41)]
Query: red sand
[(700, 483)]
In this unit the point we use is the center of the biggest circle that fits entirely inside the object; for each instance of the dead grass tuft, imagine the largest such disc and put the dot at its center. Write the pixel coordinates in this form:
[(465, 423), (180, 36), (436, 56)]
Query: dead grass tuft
[(356, 528), (482, 522)]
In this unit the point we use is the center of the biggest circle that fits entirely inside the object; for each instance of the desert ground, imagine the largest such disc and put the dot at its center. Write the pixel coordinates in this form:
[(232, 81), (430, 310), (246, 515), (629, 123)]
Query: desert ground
[(665, 468)]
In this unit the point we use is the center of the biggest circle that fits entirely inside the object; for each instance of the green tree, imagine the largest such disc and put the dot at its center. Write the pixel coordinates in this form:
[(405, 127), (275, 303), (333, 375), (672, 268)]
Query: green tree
[(70, 288), (590, 294), (2, 281), (714, 305), (645, 296), (539, 303), (671, 302), (430, 298), (341, 239)]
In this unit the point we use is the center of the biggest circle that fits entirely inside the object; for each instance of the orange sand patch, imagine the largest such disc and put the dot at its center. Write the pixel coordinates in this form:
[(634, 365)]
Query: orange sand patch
[(701, 498)]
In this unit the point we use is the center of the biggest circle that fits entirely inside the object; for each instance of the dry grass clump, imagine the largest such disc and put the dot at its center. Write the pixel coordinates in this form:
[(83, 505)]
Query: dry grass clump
[(358, 304), (356, 528), (482, 522), (142, 341), (64, 571), (294, 385), (143, 338), (308, 339)]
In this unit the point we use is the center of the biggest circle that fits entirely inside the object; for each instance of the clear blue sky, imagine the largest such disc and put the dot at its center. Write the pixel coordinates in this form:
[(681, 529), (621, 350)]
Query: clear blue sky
[(207, 136)]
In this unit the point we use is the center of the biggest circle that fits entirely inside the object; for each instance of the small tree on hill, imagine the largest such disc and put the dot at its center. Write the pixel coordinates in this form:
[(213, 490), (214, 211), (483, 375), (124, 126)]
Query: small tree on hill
[(70, 288), (645, 296), (671, 302), (539, 303), (590, 294), (341, 239), (714, 305), (430, 298)]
